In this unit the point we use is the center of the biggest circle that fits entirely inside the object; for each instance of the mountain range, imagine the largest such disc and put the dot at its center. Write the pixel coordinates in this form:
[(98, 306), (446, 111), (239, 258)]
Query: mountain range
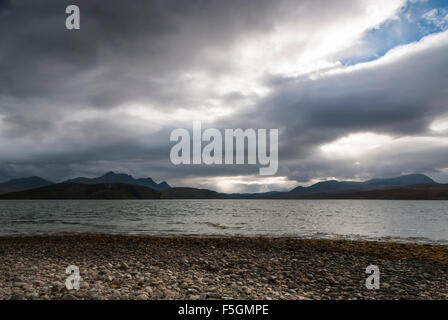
[(112, 177), (124, 186), (333, 185), (23, 184)]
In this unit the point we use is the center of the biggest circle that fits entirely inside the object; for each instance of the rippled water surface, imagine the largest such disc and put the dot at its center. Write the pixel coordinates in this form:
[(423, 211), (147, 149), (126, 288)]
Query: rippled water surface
[(417, 221)]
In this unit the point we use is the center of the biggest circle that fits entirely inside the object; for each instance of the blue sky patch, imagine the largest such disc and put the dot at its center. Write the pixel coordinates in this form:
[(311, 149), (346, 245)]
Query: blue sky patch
[(416, 20)]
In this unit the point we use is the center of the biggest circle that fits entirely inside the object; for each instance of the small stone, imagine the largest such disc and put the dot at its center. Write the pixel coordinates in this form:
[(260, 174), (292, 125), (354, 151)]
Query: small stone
[(69, 297), (17, 296), (142, 296), (123, 266), (148, 290), (170, 294), (213, 295), (19, 284)]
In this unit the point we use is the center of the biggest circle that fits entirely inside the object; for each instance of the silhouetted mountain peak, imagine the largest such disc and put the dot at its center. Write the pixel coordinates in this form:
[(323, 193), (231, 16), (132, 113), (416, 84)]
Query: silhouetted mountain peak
[(112, 177), (112, 174), (149, 180), (164, 185)]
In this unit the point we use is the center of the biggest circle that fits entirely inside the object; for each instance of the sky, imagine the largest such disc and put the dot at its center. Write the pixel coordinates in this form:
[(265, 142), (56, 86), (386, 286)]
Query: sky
[(357, 88)]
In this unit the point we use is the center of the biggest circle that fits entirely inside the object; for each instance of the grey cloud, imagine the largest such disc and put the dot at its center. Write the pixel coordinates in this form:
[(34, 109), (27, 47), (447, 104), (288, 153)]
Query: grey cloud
[(136, 52)]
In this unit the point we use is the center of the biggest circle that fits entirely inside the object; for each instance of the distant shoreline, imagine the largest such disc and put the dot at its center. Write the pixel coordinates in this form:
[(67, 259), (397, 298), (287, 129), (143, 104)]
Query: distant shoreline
[(123, 186), (360, 239)]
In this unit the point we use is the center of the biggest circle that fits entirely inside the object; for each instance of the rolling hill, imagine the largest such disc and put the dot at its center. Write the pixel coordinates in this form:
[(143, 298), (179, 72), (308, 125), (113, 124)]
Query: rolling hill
[(78, 191), (412, 192), (23, 184), (193, 193)]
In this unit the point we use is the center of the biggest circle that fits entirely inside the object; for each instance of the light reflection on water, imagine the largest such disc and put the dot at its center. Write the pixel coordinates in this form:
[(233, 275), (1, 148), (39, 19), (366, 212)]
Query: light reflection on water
[(416, 221)]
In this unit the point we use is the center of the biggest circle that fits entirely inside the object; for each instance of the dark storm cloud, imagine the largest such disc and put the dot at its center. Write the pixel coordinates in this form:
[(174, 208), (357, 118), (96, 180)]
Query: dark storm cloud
[(4, 5), (64, 94), (125, 52), (130, 51), (134, 47)]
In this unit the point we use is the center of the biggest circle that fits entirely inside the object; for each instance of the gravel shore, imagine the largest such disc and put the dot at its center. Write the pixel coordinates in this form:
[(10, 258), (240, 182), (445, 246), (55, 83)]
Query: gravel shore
[(145, 267)]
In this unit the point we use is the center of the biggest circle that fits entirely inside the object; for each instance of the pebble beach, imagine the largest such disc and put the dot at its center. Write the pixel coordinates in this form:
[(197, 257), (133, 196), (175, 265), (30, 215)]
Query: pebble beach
[(116, 267)]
